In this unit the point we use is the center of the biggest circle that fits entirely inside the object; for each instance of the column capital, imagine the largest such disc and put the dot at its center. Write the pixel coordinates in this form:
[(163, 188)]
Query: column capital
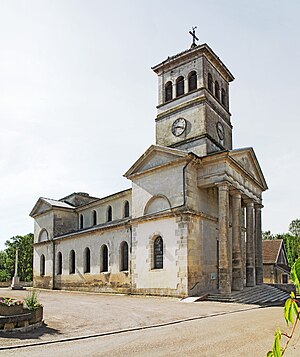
[(258, 206), (224, 185), (235, 193), (249, 202)]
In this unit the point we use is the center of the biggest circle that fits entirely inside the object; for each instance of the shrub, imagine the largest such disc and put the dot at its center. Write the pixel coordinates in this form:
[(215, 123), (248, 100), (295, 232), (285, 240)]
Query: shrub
[(31, 301), (291, 314)]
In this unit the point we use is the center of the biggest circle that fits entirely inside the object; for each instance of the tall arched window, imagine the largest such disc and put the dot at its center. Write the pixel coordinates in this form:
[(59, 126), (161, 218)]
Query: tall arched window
[(87, 261), (179, 86), (94, 218), (80, 221), (72, 262), (168, 91), (109, 213), (59, 263), (192, 81), (158, 253), (42, 265), (124, 256), (223, 97), (210, 83), (126, 209), (217, 90), (104, 259)]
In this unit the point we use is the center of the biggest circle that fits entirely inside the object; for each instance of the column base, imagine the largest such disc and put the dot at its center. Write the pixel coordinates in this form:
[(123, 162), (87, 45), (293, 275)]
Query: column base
[(224, 282), (250, 276), (237, 279), (259, 276)]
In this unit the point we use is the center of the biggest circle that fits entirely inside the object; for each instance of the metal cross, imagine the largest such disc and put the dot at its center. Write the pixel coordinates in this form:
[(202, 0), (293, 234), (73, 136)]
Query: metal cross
[(195, 38)]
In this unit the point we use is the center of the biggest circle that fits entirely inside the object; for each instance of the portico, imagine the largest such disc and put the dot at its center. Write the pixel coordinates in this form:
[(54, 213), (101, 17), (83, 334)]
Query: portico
[(236, 254), (240, 184)]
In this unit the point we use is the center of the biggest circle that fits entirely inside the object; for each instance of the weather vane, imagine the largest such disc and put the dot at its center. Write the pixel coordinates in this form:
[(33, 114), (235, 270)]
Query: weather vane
[(195, 38)]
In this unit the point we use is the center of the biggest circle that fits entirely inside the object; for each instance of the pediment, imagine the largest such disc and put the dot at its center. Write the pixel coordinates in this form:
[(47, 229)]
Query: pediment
[(155, 156), (246, 158), (40, 207), (45, 204)]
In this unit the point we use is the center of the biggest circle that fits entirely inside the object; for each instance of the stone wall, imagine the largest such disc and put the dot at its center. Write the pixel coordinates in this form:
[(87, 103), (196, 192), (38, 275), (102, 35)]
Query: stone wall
[(167, 182), (113, 280), (172, 279)]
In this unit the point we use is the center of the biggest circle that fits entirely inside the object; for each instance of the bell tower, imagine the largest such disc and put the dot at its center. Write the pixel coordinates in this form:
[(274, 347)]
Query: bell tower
[(193, 102)]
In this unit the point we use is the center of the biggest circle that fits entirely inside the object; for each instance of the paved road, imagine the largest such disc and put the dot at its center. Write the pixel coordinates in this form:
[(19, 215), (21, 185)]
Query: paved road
[(210, 329)]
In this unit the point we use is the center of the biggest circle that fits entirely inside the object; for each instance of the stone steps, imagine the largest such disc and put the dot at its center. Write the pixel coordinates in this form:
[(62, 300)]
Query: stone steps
[(258, 295)]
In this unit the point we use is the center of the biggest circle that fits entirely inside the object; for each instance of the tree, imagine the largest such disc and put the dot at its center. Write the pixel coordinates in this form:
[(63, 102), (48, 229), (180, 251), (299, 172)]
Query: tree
[(294, 227), (291, 244), (25, 261), (4, 274), (267, 235)]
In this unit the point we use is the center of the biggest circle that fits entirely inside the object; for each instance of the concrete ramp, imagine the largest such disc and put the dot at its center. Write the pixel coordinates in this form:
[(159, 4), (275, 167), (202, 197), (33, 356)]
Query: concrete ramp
[(194, 298)]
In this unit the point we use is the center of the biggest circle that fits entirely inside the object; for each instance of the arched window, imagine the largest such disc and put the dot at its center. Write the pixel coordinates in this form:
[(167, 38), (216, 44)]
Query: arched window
[(104, 259), (210, 83), (217, 90), (59, 264), (72, 262), (157, 204), (126, 209), (124, 256), (80, 221), (223, 97), (94, 217), (158, 253), (87, 261), (192, 81), (168, 91), (43, 236), (42, 265), (109, 214), (179, 86)]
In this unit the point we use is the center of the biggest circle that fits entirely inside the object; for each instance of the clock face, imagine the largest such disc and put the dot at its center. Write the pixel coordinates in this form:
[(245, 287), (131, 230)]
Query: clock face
[(220, 130), (179, 126)]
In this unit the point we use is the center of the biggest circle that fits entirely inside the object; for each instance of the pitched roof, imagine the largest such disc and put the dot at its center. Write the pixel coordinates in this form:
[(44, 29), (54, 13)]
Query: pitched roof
[(45, 204), (56, 203), (199, 50), (270, 250)]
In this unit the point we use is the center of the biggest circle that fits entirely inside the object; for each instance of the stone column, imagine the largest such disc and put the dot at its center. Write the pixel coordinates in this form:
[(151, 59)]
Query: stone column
[(243, 224), (237, 260), (225, 264), (250, 245), (258, 245)]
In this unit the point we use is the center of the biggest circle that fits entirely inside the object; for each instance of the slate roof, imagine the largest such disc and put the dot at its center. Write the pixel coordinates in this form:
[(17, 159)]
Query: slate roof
[(270, 250)]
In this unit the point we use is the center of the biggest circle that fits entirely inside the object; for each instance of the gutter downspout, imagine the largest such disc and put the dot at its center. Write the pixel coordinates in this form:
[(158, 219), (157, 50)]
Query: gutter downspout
[(53, 265), (130, 260)]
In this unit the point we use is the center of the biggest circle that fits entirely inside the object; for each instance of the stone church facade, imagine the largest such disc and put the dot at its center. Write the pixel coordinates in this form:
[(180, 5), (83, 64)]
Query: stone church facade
[(190, 223)]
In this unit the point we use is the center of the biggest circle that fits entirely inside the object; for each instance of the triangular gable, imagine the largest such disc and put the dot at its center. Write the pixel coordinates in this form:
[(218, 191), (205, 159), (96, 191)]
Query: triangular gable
[(44, 204), (155, 156), (41, 206), (246, 158), (282, 254)]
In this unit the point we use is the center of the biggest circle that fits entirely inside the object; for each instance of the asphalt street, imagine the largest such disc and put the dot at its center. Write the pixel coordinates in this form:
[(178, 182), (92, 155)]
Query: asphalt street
[(83, 324)]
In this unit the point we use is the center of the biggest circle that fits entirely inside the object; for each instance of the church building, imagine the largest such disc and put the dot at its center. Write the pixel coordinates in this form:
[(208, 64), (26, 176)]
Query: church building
[(191, 221)]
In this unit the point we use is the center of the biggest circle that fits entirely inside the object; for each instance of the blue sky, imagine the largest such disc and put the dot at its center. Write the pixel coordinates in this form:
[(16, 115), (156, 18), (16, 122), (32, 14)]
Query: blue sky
[(78, 96)]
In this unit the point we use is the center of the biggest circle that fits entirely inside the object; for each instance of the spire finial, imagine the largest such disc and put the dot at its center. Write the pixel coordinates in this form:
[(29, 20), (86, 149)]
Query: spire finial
[(195, 38)]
